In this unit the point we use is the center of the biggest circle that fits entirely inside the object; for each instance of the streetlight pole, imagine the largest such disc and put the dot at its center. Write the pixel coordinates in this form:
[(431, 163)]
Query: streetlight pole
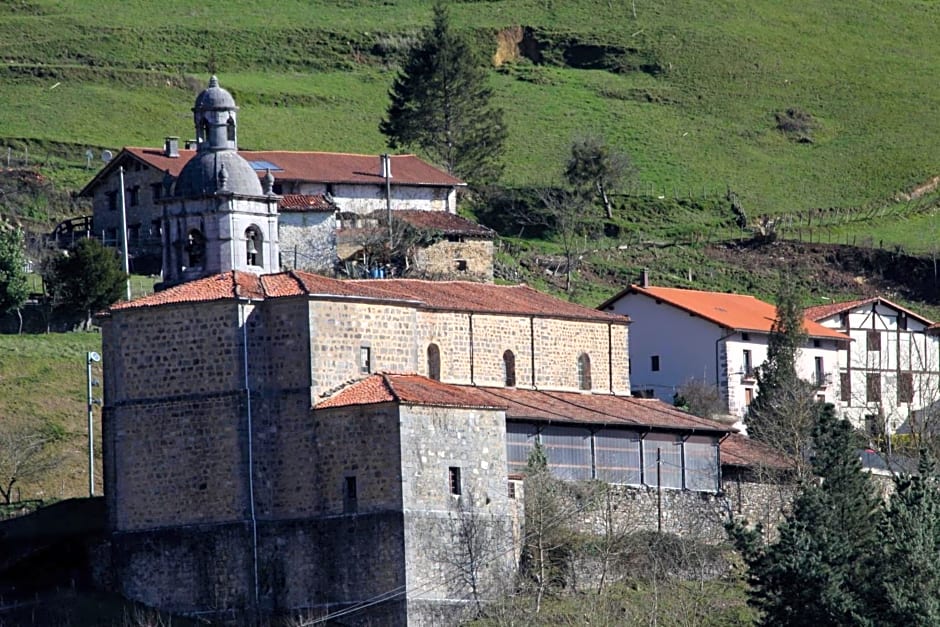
[(127, 269), (91, 357)]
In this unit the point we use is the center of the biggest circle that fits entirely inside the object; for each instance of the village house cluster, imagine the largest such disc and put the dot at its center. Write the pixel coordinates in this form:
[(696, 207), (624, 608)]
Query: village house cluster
[(279, 440)]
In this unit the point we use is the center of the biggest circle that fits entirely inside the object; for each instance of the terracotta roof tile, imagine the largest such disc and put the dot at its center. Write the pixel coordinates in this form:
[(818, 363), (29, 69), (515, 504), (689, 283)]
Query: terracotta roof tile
[(218, 287), (320, 167), (819, 312), (541, 405), (740, 450), (733, 311), (442, 221), (305, 202), (370, 391), (463, 296)]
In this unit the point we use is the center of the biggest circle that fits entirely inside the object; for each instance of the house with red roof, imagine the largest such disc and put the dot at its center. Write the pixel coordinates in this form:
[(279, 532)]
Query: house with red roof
[(315, 188), (890, 373), (720, 339), (293, 441)]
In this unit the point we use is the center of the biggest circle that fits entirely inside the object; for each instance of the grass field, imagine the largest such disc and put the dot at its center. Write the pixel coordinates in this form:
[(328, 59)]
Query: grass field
[(43, 381), (314, 75)]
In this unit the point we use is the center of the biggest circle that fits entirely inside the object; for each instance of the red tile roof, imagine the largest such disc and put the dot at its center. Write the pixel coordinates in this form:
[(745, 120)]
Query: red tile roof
[(740, 450), (820, 312), (219, 287), (540, 405), (732, 311), (319, 167), (464, 296), (305, 202), (443, 222)]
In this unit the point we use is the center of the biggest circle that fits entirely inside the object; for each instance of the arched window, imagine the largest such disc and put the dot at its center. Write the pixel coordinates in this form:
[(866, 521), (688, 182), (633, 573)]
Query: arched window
[(434, 362), (195, 248), (509, 369), (205, 130), (584, 371), (231, 129), (253, 246)]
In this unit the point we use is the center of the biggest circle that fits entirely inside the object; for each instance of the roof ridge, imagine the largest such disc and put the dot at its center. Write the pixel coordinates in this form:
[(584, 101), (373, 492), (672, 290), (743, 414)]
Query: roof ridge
[(388, 386)]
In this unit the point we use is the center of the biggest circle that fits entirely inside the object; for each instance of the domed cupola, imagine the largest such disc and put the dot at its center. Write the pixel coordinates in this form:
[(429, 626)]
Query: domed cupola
[(214, 115), (217, 167)]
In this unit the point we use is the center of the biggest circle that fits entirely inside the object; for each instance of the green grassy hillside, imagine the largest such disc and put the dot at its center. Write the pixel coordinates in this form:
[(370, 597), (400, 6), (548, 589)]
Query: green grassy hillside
[(688, 87), (43, 384)]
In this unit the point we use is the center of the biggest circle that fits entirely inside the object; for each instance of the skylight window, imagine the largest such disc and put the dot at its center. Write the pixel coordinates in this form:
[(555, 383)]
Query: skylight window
[(261, 166)]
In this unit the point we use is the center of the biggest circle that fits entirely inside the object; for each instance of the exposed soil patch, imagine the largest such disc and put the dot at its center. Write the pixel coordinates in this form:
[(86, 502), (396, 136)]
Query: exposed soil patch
[(832, 269)]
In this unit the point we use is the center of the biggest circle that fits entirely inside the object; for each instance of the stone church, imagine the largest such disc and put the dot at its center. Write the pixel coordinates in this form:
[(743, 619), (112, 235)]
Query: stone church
[(315, 211), (282, 441)]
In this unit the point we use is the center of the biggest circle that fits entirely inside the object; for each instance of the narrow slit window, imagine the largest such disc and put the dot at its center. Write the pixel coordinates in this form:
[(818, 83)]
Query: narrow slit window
[(584, 372), (434, 362), (509, 369), (453, 477), (365, 359), (350, 495)]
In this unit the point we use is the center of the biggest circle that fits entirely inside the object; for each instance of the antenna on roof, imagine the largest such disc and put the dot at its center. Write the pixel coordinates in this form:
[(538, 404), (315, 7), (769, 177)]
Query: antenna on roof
[(106, 156)]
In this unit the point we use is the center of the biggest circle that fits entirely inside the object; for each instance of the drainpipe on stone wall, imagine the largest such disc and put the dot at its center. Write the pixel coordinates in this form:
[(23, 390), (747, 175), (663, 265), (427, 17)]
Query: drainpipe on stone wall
[(610, 356), (470, 319), (532, 348), (243, 319)]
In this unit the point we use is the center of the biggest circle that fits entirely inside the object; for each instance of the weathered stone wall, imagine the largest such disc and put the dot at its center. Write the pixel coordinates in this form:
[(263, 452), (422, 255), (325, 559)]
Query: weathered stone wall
[(308, 240), (440, 260), (360, 442), (187, 569), (439, 523), (340, 329), (555, 362), (322, 566), (174, 413), (172, 351), (558, 343), (696, 515)]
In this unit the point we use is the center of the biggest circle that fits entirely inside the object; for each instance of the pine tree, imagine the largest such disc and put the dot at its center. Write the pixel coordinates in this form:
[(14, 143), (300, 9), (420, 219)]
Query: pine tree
[(14, 288), (908, 588), (85, 280), (818, 571), (785, 408), (440, 105)]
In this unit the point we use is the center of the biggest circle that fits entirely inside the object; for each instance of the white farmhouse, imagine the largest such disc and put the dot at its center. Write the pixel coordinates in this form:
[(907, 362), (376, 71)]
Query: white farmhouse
[(678, 335), (890, 374)]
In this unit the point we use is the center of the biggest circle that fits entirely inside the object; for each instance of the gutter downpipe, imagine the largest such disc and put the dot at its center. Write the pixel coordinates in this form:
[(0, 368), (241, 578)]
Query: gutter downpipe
[(470, 322), (610, 357), (243, 319), (532, 348)]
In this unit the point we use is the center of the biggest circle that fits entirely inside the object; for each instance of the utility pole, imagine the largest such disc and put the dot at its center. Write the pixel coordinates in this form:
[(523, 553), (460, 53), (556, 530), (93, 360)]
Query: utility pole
[(124, 233), (387, 173), (92, 356)]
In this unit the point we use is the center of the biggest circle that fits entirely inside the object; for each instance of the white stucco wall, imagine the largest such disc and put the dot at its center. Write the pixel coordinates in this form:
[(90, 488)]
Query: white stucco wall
[(368, 198), (690, 347)]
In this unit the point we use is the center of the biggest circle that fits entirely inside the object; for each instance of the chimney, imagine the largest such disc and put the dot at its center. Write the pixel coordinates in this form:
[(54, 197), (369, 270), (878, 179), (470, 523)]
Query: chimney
[(190, 144), (171, 147), (645, 278), (385, 164)]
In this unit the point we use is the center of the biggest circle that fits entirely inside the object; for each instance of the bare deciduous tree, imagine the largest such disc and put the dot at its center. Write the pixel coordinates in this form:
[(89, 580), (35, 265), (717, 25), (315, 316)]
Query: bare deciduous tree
[(26, 453)]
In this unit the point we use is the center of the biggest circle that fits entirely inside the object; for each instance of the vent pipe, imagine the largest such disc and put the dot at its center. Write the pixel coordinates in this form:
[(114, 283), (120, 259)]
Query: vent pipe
[(171, 147), (645, 278)]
